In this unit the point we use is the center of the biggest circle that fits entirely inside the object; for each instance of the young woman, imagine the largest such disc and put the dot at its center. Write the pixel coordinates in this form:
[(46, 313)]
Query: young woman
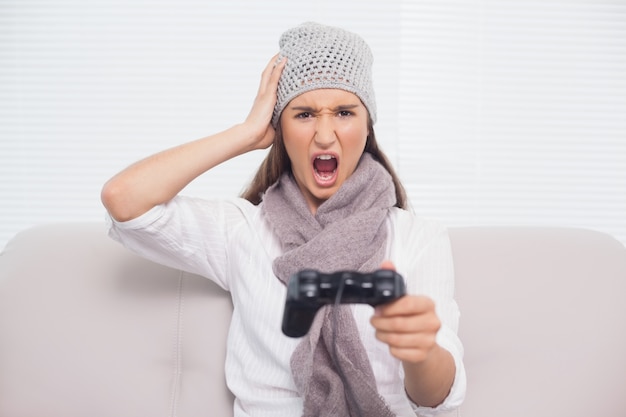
[(325, 198)]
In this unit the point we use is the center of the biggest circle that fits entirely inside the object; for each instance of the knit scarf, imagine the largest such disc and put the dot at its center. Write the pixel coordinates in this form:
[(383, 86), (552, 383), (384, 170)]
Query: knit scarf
[(348, 232)]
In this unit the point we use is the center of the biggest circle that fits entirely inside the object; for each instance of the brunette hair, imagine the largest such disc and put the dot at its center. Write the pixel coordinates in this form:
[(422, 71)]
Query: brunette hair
[(277, 162)]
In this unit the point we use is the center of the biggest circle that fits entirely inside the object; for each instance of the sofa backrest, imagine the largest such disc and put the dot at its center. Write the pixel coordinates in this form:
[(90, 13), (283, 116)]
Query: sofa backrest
[(89, 329), (543, 321)]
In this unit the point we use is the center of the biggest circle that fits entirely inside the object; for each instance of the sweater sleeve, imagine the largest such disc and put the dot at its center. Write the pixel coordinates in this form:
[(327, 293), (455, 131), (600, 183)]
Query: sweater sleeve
[(185, 233), (427, 266)]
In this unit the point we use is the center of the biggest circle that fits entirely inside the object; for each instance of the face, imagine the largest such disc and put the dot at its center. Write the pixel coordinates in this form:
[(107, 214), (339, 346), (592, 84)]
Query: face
[(324, 132)]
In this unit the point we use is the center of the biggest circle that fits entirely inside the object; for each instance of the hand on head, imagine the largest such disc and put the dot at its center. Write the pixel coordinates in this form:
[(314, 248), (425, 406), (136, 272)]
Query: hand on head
[(260, 116)]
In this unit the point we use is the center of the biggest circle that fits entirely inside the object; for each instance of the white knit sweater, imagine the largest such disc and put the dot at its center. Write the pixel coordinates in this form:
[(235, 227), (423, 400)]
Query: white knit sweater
[(229, 242)]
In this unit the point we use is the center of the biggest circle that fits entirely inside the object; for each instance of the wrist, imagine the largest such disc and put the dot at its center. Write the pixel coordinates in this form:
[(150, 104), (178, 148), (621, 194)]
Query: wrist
[(428, 382)]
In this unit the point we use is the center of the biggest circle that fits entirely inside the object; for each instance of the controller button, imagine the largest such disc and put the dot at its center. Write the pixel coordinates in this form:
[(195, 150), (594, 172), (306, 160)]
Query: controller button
[(308, 289)]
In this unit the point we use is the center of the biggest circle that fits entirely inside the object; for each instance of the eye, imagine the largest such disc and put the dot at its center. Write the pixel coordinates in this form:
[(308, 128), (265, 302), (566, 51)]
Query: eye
[(345, 113), (303, 115)]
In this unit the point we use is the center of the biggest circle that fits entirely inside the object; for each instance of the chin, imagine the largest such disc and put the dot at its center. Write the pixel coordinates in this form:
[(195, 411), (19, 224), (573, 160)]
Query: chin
[(325, 194)]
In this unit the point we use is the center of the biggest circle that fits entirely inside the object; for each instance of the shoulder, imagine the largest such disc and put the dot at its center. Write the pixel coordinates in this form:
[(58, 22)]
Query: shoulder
[(415, 242), (420, 249), (407, 226)]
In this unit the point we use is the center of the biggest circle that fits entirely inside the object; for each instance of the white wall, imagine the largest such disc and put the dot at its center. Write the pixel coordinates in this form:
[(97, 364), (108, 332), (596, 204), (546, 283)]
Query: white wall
[(494, 112)]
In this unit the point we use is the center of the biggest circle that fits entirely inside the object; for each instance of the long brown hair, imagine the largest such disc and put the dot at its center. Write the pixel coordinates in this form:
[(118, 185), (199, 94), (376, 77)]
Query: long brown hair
[(277, 162)]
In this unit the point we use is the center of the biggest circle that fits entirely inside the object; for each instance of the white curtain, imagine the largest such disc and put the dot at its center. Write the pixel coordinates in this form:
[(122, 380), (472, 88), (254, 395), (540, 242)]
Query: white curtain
[(494, 112)]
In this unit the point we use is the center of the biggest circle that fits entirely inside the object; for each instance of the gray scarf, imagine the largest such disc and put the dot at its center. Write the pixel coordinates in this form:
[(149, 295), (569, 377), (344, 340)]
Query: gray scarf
[(348, 232)]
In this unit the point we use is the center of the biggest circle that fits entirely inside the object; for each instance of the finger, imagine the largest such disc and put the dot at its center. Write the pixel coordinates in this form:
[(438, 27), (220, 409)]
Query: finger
[(271, 73), (410, 355), (425, 323), (388, 265), (412, 347), (265, 100), (277, 71), (266, 74), (419, 340), (270, 66), (406, 306)]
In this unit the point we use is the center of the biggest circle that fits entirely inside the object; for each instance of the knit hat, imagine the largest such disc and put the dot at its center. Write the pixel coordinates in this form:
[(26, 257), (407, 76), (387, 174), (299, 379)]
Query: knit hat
[(321, 56)]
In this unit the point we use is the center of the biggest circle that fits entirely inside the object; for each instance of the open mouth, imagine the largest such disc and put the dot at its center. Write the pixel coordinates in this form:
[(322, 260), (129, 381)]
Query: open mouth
[(325, 167)]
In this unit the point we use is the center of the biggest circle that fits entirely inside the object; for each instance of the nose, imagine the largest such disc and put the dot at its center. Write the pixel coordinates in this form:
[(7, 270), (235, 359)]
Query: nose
[(325, 131)]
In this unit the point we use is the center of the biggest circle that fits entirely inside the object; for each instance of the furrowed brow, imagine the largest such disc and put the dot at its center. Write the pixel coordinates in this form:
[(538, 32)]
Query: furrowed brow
[(346, 107), (303, 108), (309, 109)]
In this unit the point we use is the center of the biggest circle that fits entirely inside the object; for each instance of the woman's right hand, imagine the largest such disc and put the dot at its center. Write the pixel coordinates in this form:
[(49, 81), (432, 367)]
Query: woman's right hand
[(260, 117)]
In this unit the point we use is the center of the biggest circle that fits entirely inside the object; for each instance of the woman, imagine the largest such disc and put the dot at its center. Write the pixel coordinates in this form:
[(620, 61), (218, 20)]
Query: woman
[(324, 198)]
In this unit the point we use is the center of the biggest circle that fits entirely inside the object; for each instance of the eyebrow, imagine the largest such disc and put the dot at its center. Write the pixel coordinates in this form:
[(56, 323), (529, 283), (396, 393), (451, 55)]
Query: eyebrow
[(338, 108)]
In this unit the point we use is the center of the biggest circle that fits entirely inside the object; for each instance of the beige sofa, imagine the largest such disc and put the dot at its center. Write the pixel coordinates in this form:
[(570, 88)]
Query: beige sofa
[(89, 330)]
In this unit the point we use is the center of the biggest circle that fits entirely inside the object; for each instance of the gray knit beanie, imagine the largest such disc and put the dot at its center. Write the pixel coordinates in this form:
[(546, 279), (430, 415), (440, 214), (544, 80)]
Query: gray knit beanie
[(321, 56)]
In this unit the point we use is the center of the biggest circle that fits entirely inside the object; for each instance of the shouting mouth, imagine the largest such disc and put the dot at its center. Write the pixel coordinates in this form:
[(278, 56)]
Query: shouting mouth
[(325, 169)]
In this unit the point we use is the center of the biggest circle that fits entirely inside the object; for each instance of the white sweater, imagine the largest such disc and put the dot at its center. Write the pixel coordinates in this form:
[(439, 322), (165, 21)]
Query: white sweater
[(230, 243)]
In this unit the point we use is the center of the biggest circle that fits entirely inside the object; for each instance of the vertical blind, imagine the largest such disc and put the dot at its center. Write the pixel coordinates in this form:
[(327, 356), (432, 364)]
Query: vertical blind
[(494, 112)]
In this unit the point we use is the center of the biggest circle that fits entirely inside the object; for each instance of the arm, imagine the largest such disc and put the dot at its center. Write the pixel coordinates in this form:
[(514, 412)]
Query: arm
[(409, 326), (160, 177)]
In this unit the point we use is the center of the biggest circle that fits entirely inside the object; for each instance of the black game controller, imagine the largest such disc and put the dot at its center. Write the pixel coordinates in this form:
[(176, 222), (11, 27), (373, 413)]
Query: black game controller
[(309, 290)]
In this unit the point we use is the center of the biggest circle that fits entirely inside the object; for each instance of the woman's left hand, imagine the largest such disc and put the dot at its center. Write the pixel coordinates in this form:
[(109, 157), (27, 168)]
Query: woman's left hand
[(409, 325)]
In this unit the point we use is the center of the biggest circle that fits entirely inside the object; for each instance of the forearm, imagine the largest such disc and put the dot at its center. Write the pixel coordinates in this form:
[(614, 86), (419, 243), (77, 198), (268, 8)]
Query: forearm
[(428, 382), (162, 176)]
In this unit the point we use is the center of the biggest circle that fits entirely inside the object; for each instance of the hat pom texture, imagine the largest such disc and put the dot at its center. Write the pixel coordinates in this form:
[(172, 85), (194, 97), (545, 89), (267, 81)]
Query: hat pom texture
[(320, 56)]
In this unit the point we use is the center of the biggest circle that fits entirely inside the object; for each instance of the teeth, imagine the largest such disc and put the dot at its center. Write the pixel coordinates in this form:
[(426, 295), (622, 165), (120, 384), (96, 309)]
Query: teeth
[(325, 157), (325, 177)]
